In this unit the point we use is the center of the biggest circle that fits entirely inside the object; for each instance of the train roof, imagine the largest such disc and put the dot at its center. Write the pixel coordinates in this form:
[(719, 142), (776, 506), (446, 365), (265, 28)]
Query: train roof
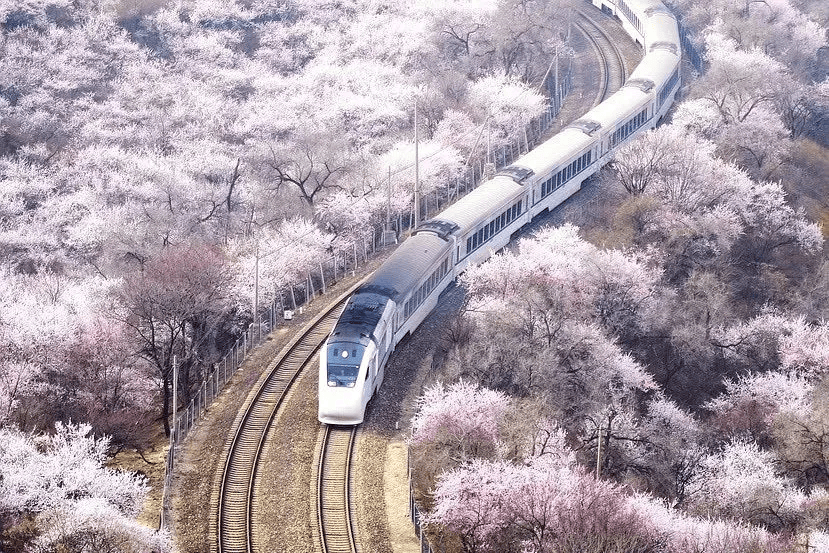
[(360, 317), (661, 31), (479, 204), (658, 66), (555, 152), (623, 103), (409, 263)]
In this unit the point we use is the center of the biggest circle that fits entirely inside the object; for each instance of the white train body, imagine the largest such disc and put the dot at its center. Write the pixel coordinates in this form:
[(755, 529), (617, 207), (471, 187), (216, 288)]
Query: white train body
[(402, 292)]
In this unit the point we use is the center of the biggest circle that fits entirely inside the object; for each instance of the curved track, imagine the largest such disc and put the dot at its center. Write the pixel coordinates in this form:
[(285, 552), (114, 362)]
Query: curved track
[(613, 72), (235, 526), (336, 531), (235, 520)]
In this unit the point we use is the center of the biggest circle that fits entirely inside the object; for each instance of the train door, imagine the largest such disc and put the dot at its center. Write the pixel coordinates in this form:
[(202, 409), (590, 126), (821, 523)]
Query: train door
[(376, 363)]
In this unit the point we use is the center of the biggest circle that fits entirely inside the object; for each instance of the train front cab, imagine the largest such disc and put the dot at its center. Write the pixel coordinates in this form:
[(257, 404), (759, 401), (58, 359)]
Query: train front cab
[(347, 379)]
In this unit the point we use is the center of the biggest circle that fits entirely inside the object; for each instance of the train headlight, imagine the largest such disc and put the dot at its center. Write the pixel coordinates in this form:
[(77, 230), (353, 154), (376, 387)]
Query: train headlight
[(350, 384), (332, 382)]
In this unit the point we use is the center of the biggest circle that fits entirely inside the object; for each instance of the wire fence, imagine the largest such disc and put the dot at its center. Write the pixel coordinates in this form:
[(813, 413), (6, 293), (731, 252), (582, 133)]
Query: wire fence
[(420, 532), (293, 298)]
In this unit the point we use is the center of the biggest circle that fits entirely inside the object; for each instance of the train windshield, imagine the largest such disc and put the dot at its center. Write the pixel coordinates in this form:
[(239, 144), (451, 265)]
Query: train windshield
[(344, 363)]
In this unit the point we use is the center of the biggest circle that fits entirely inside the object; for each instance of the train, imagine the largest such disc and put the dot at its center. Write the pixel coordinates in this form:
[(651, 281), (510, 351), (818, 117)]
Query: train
[(400, 294)]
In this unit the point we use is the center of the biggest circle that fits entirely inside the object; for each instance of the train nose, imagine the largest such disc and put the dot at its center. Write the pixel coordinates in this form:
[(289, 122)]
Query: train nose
[(340, 406)]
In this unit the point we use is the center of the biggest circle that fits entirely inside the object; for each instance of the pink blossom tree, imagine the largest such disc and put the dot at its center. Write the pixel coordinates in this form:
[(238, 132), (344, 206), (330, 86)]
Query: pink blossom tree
[(540, 506), (176, 307), (545, 320), (461, 417)]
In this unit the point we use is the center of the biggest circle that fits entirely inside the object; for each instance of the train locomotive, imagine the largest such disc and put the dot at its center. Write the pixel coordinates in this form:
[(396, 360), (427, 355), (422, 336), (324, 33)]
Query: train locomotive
[(403, 291)]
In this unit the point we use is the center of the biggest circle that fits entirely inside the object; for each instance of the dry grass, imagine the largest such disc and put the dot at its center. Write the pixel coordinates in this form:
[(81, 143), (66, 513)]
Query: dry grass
[(152, 467), (809, 187)]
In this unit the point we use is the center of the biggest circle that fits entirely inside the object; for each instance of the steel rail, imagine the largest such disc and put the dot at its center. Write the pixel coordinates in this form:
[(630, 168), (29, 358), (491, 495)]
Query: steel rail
[(597, 38), (336, 531), (235, 508)]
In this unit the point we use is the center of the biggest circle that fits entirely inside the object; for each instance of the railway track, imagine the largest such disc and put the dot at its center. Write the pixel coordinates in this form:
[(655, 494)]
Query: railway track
[(235, 520), (333, 490), (613, 72)]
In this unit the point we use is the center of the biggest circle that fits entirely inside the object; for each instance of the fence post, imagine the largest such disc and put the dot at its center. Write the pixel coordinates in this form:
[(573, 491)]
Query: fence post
[(322, 277)]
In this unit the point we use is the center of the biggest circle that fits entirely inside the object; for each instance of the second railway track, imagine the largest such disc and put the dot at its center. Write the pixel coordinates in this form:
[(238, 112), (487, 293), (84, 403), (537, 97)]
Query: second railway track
[(613, 71)]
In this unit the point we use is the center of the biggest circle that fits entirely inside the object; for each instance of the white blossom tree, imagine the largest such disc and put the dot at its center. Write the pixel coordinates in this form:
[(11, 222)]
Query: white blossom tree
[(78, 502)]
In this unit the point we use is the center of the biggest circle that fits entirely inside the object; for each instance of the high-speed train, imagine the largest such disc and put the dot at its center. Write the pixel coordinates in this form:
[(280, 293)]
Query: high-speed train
[(402, 292)]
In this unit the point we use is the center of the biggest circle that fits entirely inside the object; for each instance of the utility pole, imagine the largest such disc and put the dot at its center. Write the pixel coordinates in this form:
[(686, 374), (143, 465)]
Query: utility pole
[(388, 203), (556, 89), (599, 455), (417, 174), (256, 289), (173, 436), (488, 141)]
